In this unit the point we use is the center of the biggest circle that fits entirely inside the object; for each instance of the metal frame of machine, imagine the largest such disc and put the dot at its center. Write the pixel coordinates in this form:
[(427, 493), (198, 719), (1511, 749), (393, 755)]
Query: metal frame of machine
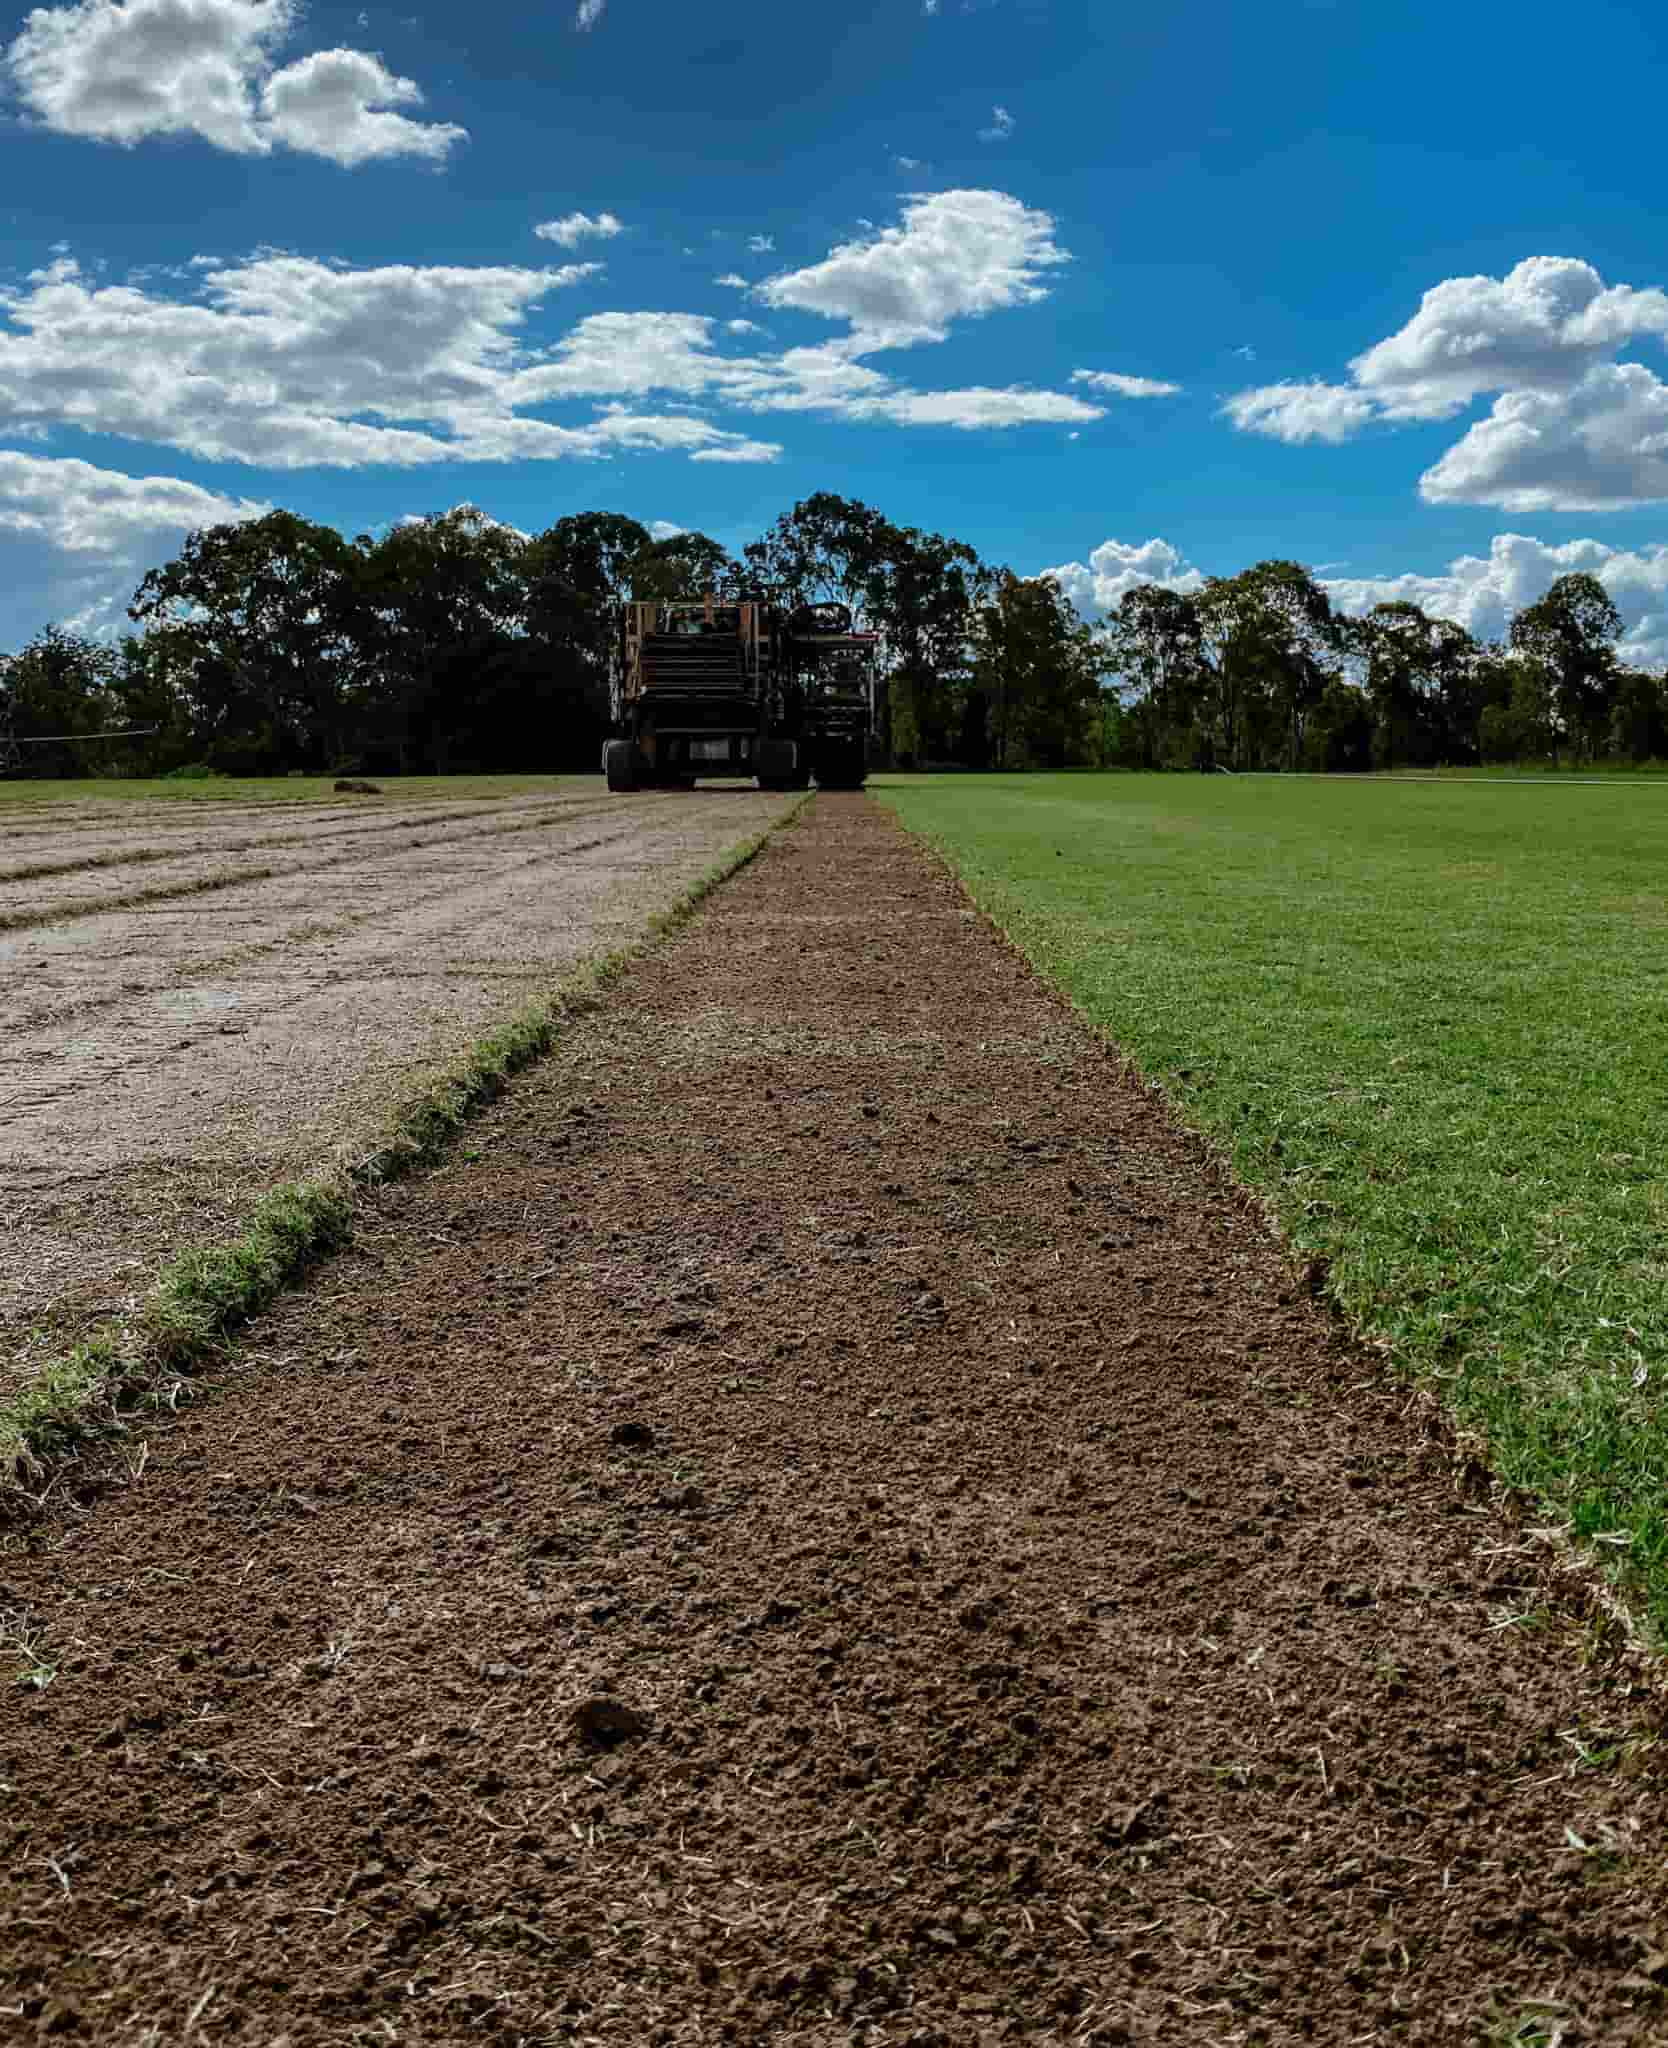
[(711, 686)]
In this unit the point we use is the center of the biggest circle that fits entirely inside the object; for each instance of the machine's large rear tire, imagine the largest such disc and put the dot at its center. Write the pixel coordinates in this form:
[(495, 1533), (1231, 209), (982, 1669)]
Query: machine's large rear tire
[(619, 765), (842, 770), (775, 763)]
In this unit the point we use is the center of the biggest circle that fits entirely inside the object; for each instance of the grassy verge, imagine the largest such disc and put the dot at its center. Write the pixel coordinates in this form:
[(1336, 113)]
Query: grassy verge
[(205, 1296), (1428, 1021)]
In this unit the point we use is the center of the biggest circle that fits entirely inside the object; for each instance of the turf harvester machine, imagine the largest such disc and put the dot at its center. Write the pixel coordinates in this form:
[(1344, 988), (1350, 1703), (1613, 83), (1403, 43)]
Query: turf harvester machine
[(708, 686)]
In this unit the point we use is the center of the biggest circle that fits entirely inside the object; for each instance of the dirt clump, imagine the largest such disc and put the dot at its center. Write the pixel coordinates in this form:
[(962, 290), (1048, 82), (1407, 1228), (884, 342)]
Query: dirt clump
[(722, 1565)]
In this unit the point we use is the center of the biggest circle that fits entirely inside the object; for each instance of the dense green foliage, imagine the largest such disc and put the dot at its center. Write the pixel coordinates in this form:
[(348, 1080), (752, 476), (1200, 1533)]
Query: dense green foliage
[(1257, 671), (1428, 1020), (456, 645)]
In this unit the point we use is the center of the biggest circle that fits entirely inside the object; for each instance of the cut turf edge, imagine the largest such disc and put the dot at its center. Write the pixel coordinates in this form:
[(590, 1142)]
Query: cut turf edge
[(203, 1297)]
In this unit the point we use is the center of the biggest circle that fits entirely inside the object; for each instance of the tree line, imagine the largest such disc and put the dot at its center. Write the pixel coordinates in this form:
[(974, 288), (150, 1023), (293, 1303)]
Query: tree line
[(1259, 671), (454, 643)]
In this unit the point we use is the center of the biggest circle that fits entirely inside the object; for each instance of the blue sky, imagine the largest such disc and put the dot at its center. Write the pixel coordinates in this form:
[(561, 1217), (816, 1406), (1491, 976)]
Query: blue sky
[(1114, 294)]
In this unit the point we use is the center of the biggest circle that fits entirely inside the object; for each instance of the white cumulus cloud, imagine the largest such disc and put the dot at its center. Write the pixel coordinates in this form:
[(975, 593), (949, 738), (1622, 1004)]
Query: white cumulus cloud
[(127, 70), (284, 362), (1570, 429), (761, 245), (336, 104), (954, 255), (75, 540), (1539, 328), (574, 228), (975, 406), (1301, 412), (588, 14), (1598, 447), (1116, 385), (1116, 566), (617, 354), (289, 363), (1002, 125), (1481, 592)]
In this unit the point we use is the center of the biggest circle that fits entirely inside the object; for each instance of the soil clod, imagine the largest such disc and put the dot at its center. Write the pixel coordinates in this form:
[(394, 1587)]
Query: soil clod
[(607, 1722)]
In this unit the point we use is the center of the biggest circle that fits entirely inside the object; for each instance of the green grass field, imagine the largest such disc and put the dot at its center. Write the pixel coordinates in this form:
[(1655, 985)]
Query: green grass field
[(1430, 1022), (278, 789)]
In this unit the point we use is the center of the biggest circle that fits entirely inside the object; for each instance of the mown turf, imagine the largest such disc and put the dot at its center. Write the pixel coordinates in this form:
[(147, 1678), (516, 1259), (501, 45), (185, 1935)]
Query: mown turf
[(1431, 1021), (282, 789)]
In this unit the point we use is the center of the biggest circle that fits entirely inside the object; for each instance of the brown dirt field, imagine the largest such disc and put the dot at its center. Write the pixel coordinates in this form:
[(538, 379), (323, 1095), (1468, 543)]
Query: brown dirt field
[(166, 1057), (1025, 1616)]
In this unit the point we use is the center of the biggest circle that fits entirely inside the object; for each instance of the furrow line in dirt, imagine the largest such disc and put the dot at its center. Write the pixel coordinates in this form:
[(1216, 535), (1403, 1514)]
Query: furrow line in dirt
[(48, 821), (362, 829), (75, 909), (292, 948), (832, 1525), (295, 944)]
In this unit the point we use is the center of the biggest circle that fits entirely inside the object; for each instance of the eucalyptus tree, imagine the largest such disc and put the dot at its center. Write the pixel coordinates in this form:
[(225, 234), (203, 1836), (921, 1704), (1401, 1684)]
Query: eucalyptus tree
[(1570, 634), (684, 565), (1038, 669), (60, 684), (1639, 716), (443, 617), (1269, 644), (826, 550), (1152, 641), (1416, 671), (266, 608)]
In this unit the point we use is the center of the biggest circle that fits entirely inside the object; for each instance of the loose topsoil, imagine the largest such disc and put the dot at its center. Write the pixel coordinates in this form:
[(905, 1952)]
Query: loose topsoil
[(828, 1522)]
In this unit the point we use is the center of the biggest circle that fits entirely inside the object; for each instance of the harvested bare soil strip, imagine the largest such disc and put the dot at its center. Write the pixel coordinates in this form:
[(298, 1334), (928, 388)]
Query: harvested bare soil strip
[(53, 898), (115, 850), (1025, 1616), (162, 1065)]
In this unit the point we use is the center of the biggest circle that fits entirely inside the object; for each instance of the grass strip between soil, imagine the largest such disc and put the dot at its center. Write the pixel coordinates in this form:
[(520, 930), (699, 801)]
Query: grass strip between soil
[(206, 1295), (1428, 1023)]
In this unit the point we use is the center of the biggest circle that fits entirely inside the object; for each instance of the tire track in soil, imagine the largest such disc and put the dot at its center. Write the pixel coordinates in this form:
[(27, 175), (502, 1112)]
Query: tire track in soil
[(1045, 1625)]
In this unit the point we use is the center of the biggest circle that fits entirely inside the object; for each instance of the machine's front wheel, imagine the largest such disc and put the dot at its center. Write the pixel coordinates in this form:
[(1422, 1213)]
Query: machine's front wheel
[(619, 765)]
